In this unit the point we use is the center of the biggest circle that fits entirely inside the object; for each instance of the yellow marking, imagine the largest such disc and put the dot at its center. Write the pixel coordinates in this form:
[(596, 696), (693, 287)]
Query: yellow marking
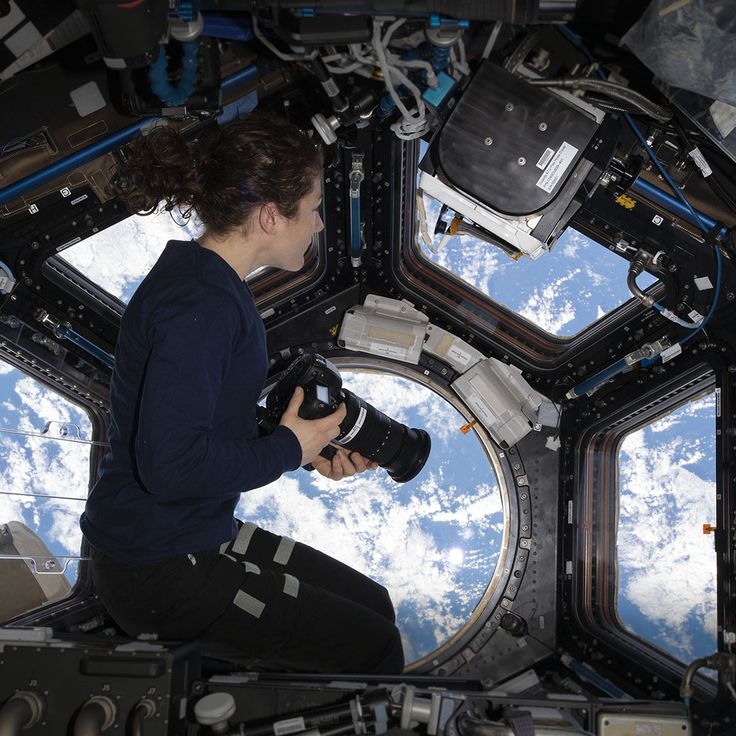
[(626, 202)]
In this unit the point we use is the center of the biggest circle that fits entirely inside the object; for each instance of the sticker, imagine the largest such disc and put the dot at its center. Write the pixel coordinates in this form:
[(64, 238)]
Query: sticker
[(648, 729), (482, 410), (390, 351), (355, 429), (79, 199), (291, 725), (568, 567), (718, 403), (330, 310), (695, 316), (458, 355), (700, 162), (626, 202), (703, 283), (557, 167), (33, 209), (65, 192), (657, 220), (569, 512), (544, 160)]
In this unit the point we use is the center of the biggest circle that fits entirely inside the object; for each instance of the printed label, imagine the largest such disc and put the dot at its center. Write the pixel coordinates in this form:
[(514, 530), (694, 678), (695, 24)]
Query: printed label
[(557, 167), (79, 199), (458, 355), (700, 162), (648, 729), (544, 160), (390, 351), (355, 429)]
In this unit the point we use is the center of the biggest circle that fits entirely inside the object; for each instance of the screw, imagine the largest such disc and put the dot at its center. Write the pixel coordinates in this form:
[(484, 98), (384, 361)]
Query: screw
[(522, 161), (542, 126), (488, 141), (509, 107)]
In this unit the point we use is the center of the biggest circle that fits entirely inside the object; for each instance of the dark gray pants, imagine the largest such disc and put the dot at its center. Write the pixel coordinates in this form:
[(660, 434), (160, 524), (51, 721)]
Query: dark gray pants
[(279, 603)]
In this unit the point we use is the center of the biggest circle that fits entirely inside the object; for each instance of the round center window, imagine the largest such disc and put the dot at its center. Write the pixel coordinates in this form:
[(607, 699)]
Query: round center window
[(433, 542)]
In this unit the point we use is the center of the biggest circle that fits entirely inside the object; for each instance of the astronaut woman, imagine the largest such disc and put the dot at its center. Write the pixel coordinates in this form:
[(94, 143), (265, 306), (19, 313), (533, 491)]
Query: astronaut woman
[(168, 557)]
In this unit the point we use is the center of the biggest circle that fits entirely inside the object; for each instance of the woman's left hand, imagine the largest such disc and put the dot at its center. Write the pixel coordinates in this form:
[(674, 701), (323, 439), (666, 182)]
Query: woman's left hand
[(343, 465)]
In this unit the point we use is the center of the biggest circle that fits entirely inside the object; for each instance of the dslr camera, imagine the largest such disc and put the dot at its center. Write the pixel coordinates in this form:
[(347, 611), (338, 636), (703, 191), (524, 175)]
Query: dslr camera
[(402, 451)]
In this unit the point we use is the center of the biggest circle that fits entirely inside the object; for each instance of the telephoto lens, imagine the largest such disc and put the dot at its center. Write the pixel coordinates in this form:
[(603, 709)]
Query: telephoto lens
[(401, 450)]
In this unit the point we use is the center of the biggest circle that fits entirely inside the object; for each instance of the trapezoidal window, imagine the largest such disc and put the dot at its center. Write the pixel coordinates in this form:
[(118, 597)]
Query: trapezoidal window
[(117, 259), (666, 564), (44, 464), (561, 292), (433, 542)]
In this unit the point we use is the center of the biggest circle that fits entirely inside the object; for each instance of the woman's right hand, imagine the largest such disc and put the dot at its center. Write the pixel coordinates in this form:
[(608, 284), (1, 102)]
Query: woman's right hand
[(313, 434)]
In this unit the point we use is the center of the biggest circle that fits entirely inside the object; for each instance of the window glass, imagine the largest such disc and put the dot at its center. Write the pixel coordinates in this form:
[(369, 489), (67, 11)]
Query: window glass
[(433, 542), (561, 292), (117, 259), (667, 565), (44, 484)]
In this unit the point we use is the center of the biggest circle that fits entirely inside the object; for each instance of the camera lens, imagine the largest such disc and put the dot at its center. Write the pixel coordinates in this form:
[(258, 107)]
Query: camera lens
[(401, 450)]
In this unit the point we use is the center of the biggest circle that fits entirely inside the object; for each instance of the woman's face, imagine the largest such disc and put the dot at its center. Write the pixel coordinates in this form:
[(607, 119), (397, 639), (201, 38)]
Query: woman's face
[(295, 234)]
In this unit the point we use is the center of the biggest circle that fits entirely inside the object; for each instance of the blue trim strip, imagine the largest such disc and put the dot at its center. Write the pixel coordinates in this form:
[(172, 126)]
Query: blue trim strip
[(65, 331), (670, 203), (594, 381), (101, 147)]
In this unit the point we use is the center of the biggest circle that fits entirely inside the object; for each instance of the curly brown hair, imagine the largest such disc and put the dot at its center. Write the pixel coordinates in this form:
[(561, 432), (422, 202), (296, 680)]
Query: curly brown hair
[(250, 161)]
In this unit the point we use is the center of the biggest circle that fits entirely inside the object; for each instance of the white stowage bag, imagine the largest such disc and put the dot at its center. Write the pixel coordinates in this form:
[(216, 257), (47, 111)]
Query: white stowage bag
[(689, 44)]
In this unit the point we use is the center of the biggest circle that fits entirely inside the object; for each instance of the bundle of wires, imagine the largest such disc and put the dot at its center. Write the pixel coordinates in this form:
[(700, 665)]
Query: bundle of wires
[(368, 59), (695, 327)]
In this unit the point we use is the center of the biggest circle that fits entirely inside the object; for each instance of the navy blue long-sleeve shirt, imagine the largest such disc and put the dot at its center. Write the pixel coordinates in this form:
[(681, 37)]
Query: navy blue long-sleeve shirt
[(190, 364)]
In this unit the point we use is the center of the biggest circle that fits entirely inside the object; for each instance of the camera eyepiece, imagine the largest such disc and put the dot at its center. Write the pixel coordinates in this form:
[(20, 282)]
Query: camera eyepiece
[(401, 450)]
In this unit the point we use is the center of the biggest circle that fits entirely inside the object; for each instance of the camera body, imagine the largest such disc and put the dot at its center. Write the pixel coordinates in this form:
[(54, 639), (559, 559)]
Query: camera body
[(322, 386), (401, 450)]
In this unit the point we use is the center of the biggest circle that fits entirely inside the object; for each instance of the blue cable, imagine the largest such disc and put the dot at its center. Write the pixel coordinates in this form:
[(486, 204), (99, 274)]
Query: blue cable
[(170, 94), (575, 39)]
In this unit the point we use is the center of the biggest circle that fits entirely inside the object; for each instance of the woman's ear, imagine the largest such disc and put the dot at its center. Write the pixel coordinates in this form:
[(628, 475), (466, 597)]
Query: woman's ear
[(268, 217)]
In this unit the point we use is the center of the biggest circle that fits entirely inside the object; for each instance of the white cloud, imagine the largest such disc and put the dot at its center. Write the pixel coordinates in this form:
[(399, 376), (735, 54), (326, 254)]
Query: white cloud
[(548, 308), (572, 242), (5, 368), (119, 257), (668, 567), (391, 531), (33, 465)]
